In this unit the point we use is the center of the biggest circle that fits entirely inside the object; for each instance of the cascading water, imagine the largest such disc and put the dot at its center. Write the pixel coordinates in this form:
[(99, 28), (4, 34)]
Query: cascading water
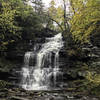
[(42, 67)]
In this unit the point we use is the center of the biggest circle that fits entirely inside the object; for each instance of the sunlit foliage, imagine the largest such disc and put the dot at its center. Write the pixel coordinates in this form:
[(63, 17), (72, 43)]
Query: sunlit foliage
[(86, 20)]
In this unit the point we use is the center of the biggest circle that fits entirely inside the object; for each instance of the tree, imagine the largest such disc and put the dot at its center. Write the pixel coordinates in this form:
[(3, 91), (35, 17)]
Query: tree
[(8, 27), (86, 21), (18, 21), (60, 15), (76, 5), (38, 6)]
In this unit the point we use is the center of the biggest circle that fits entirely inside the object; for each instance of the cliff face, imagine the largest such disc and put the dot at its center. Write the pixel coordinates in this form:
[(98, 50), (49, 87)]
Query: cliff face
[(73, 62)]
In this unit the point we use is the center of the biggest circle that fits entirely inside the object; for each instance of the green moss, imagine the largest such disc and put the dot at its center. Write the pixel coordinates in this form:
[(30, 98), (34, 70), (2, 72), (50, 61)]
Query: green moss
[(90, 85)]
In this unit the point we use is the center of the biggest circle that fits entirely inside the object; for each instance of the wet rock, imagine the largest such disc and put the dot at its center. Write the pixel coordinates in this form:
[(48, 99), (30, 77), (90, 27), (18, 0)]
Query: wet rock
[(70, 97), (58, 98), (82, 73), (17, 98), (4, 75), (78, 96)]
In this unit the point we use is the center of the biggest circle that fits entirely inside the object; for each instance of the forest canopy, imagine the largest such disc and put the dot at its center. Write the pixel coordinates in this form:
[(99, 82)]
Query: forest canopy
[(17, 19), (20, 21)]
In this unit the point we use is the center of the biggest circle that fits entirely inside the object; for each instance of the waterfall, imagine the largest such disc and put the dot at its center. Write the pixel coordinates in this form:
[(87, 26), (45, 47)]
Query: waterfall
[(41, 67)]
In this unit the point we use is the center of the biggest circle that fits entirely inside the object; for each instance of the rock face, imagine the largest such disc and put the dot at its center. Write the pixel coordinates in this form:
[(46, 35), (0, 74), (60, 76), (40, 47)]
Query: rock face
[(67, 63), (95, 39), (73, 65), (4, 75)]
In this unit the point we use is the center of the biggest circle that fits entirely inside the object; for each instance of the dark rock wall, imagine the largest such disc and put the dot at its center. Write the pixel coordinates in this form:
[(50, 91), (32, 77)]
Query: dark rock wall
[(90, 53)]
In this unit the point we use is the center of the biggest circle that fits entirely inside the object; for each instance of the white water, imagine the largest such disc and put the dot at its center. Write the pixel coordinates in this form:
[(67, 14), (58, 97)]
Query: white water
[(43, 74)]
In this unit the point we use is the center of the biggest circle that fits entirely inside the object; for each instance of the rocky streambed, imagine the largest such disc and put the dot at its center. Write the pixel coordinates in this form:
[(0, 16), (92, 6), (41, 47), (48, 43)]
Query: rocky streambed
[(21, 94)]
